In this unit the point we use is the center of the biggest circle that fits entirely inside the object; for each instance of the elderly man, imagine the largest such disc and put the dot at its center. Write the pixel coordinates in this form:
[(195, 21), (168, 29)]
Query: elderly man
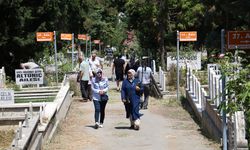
[(95, 62)]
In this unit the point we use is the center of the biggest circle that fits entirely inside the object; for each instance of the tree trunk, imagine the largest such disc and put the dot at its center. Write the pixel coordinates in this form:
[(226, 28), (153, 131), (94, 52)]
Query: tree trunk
[(161, 21)]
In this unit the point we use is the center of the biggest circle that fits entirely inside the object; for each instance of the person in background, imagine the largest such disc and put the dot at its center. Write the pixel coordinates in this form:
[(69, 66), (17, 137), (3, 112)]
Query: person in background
[(144, 75), (95, 62), (99, 85), (109, 55), (130, 94), (119, 68), (84, 78), (132, 64), (29, 65)]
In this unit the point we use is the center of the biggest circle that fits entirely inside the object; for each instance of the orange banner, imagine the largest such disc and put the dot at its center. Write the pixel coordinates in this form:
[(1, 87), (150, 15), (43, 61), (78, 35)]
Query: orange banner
[(44, 36), (66, 36), (238, 39), (188, 36), (97, 41), (82, 36)]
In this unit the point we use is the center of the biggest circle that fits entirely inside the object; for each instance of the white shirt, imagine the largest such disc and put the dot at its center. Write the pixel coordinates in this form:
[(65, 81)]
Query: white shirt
[(144, 74), (94, 64), (30, 65)]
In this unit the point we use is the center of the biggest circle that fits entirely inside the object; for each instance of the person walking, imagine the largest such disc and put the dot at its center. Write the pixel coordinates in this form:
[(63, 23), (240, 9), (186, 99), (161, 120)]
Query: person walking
[(84, 79), (130, 94), (99, 85), (95, 62), (119, 68), (144, 75)]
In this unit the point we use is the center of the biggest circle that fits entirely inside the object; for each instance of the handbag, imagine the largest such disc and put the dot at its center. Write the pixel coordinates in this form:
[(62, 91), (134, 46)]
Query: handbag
[(104, 97)]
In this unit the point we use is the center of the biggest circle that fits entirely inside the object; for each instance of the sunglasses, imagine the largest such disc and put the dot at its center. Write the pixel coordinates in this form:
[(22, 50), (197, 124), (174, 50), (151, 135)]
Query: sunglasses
[(99, 72)]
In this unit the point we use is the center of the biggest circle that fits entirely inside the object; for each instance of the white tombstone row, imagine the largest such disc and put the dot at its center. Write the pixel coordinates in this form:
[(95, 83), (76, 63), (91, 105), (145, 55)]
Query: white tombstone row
[(199, 95), (153, 67), (215, 84), (162, 79)]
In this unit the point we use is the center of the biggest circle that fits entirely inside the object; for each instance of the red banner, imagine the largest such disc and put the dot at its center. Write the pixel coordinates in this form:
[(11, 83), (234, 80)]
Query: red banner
[(238, 39)]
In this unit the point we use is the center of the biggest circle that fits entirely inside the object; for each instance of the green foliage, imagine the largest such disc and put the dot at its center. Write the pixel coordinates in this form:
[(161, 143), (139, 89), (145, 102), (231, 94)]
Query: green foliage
[(11, 84), (237, 87)]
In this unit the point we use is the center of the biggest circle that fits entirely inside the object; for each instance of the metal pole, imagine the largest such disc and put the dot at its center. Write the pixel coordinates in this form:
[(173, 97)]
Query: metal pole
[(72, 51), (86, 50), (178, 42), (222, 41), (55, 57), (90, 45), (224, 115)]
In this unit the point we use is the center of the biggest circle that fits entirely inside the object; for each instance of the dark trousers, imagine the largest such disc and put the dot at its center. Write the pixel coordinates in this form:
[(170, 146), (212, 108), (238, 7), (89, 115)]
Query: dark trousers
[(89, 92), (99, 110), (84, 89), (146, 93)]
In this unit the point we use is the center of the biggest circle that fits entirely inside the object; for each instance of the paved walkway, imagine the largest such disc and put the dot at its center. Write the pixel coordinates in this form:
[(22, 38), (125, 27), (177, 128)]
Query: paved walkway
[(162, 128)]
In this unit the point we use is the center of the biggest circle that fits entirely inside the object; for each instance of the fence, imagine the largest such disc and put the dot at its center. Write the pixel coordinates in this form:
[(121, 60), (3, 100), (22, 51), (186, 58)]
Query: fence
[(39, 127), (206, 105)]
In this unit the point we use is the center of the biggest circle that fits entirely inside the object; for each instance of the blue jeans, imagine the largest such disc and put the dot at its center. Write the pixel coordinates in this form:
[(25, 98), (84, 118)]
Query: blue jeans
[(99, 110)]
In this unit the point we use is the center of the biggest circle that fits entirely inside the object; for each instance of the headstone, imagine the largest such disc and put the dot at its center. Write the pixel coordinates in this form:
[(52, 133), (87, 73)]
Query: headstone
[(7, 96), (29, 76)]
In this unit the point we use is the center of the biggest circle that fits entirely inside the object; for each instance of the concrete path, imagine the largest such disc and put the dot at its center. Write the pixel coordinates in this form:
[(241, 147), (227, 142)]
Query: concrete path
[(162, 128)]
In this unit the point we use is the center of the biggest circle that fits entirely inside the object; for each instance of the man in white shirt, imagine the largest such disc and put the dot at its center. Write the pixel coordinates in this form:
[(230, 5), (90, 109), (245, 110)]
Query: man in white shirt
[(144, 73), (95, 62), (29, 65)]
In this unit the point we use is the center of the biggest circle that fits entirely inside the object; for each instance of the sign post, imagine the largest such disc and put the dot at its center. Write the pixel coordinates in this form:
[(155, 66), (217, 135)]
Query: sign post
[(224, 115), (186, 36), (69, 37), (72, 51), (178, 76), (49, 37), (238, 39), (56, 57), (90, 47)]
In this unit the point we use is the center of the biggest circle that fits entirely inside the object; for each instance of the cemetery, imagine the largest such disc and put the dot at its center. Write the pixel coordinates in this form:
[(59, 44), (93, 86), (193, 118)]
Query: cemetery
[(33, 112)]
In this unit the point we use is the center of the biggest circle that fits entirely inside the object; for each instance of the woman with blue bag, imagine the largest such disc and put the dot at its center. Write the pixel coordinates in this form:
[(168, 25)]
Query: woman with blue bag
[(130, 94), (99, 85)]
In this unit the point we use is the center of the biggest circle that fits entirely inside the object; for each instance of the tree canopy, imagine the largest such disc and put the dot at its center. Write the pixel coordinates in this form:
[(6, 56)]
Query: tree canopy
[(154, 23)]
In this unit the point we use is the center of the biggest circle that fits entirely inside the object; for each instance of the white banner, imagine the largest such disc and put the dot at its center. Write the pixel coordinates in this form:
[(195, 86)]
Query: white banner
[(29, 76), (193, 59), (6, 96)]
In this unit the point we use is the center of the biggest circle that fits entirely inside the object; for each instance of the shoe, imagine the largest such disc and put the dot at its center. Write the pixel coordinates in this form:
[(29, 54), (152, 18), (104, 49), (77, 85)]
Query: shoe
[(137, 127), (117, 89), (132, 127), (96, 125), (100, 125)]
